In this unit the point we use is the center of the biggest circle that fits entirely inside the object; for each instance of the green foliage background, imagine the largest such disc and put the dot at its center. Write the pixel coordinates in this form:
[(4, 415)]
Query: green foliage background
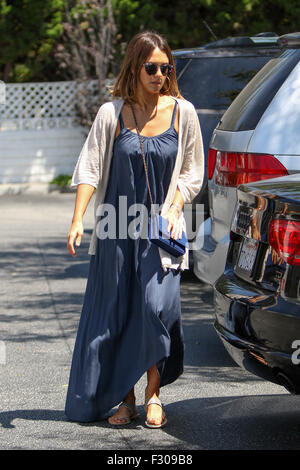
[(30, 29)]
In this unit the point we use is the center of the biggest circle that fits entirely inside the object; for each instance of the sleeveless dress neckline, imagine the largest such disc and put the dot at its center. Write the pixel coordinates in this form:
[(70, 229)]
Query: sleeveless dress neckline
[(171, 128), (146, 136), (131, 314)]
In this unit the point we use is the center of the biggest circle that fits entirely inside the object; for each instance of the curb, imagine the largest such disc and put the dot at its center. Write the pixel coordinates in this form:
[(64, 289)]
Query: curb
[(33, 188)]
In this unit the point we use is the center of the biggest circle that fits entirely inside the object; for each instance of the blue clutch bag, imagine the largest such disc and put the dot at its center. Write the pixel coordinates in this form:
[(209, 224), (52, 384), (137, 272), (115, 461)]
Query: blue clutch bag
[(159, 235)]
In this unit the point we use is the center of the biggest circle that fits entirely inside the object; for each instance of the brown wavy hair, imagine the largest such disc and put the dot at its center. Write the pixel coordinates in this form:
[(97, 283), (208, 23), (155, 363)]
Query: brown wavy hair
[(138, 50)]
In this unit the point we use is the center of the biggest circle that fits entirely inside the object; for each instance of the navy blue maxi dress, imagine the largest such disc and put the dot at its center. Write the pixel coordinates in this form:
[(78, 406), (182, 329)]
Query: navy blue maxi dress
[(131, 314)]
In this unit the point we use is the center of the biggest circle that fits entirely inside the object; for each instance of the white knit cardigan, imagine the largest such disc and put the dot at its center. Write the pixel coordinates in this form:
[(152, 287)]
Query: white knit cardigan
[(93, 164)]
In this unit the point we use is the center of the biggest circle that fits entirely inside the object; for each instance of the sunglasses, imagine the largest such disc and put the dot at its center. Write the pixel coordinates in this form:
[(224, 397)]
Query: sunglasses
[(151, 68)]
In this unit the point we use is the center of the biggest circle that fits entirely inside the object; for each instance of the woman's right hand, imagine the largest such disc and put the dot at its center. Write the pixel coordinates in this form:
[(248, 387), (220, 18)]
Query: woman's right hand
[(75, 234)]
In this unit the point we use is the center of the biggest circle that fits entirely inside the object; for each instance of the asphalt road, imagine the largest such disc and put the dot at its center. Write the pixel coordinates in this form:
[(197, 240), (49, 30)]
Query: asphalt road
[(213, 405)]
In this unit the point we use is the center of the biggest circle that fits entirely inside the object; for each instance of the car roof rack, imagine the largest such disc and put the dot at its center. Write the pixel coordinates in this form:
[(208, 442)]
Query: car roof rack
[(291, 40), (260, 39)]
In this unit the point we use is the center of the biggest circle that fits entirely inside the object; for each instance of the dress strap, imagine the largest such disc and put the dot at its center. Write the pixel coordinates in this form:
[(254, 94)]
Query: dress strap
[(174, 114), (121, 121)]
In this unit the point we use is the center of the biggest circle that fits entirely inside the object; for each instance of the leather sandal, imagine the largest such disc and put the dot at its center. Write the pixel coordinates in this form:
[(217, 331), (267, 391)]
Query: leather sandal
[(126, 419), (155, 401)]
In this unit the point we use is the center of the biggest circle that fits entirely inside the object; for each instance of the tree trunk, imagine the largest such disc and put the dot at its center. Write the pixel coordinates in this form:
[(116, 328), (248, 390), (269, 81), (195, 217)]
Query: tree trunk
[(7, 68)]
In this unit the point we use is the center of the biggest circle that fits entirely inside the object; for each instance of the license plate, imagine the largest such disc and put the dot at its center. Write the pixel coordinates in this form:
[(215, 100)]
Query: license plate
[(248, 255)]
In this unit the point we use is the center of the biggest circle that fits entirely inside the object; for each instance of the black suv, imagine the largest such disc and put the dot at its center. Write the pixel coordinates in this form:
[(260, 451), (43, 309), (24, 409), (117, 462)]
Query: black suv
[(212, 76)]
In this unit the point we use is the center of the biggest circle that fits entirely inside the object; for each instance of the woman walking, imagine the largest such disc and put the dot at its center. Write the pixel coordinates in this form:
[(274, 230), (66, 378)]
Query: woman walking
[(131, 317)]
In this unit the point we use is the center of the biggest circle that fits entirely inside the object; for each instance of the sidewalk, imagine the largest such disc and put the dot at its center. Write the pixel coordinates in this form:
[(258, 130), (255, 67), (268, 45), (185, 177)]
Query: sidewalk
[(42, 290)]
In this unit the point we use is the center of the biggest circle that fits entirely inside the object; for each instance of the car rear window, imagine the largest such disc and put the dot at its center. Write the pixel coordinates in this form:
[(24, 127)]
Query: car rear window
[(213, 83), (180, 64), (246, 111)]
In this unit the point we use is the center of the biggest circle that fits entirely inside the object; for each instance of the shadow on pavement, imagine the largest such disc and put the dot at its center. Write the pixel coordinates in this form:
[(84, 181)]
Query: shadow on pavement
[(237, 422), (221, 423)]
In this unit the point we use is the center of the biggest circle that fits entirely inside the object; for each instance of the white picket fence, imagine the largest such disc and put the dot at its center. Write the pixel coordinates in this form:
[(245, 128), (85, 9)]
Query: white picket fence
[(39, 134)]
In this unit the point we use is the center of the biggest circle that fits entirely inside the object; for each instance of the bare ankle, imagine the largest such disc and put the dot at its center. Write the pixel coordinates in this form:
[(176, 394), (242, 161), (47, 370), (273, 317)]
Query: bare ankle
[(150, 392), (130, 397)]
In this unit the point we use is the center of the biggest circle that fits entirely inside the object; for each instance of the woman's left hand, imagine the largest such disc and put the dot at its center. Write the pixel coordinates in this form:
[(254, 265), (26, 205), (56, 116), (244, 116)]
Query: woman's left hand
[(174, 226)]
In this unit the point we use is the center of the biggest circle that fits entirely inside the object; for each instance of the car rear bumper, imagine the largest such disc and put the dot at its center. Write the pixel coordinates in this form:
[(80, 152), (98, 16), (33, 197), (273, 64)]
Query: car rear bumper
[(257, 334), (210, 258)]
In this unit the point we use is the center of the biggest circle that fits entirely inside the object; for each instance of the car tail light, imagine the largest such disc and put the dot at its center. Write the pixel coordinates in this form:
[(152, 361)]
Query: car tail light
[(284, 237), (234, 168), (211, 162)]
